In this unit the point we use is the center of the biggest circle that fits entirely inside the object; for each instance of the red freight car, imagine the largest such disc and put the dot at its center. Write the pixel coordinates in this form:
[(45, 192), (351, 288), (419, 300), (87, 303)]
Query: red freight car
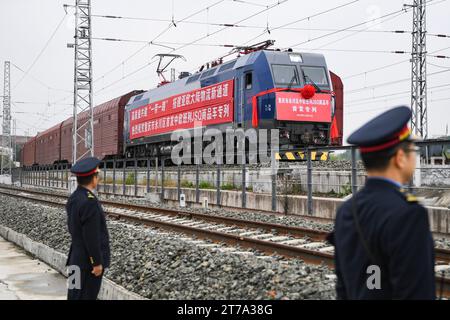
[(48, 145), (66, 140), (108, 129), (29, 152)]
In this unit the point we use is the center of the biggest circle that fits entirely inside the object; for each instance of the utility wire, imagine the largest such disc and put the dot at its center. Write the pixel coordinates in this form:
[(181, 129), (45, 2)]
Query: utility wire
[(391, 82), (438, 66), (223, 24), (42, 51), (171, 24), (382, 109), (250, 3), (303, 19), (358, 32), (157, 36), (347, 28), (283, 26), (405, 9), (389, 65), (194, 41), (356, 102), (372, 25), (39, 81)]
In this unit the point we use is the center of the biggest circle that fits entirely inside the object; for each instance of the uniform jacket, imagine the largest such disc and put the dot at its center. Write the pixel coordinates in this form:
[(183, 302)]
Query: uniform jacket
[(87, 227), (396, 229)]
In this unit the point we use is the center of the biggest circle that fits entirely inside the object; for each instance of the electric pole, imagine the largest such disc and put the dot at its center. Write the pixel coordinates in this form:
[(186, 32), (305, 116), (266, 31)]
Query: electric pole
[(419, 120), (6, 132), (83, 95)]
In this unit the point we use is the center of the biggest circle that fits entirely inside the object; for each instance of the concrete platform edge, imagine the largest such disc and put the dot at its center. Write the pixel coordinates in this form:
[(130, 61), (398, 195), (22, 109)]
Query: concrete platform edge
[(57, 260)]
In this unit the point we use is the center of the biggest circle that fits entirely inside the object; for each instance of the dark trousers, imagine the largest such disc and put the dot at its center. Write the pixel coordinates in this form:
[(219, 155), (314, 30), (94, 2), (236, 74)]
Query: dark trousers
[(89, 287)]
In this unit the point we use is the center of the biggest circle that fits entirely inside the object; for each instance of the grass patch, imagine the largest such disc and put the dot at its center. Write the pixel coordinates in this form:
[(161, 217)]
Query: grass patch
[(206, 185), (228, 186)]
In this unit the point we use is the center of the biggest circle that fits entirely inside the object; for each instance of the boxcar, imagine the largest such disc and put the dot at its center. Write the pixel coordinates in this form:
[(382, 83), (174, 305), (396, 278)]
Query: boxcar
[(29, 152), (48, 145), (108, 129)]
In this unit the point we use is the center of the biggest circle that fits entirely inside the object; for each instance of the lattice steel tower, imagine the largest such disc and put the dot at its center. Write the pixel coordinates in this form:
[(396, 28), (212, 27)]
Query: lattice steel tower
[(83, 95), (6, 131), (419, 120)]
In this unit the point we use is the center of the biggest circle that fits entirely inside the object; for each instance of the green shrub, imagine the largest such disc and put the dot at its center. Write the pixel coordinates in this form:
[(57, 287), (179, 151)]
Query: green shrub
[(206, 185), (228, 186), (130, 179), (346, 190), (187, 184)]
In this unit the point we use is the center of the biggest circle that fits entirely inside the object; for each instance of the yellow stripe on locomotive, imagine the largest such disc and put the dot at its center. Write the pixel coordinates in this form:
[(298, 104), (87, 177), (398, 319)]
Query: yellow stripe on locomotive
[(301, 156)]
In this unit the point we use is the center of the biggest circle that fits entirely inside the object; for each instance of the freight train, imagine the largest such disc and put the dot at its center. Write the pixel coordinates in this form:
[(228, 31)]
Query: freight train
[(262, 89)]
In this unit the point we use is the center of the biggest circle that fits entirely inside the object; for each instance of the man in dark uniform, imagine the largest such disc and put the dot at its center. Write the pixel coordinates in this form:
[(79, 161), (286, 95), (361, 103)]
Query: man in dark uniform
[(89, 251), (383, 244)]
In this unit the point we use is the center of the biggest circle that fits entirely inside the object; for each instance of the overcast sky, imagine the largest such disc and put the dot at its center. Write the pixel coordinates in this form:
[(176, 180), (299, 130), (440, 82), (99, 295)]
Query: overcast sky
[(44, 97)]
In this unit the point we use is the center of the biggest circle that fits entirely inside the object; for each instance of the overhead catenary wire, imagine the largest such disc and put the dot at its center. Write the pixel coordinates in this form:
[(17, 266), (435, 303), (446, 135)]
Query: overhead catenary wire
[(249, 2), (391, 82), (121, 64), (304, 19), (381, 20), (370, 51), (405, 9), (38, 80), (388, 65), (438, 66), (346, 28), (264, 27), (293, 22), (382, 109), (40, 52), (162, 44), (195, 41), (356, 102), (156, 37)]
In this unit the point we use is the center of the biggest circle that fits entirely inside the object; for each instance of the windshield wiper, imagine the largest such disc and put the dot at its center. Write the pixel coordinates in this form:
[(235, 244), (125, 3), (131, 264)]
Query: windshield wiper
[(294, 77), (313, 83)]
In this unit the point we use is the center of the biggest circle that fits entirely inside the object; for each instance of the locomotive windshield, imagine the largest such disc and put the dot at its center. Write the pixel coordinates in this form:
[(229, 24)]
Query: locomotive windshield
[(285, 74), (315, 75)]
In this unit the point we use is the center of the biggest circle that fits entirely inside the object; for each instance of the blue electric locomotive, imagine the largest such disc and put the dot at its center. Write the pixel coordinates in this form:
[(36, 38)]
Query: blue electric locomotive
[(261, 89)]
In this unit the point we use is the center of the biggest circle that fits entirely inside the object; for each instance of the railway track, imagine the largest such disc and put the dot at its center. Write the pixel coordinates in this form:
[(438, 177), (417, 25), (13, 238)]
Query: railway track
[(306, 244), (303, 243)]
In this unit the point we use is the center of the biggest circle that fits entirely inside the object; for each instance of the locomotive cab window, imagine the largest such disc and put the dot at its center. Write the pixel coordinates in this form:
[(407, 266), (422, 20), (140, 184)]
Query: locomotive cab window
[(248, 80), (316, 75), (285, 74)]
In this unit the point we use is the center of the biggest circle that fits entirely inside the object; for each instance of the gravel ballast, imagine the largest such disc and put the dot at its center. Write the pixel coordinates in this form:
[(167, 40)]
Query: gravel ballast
[(161, 265)]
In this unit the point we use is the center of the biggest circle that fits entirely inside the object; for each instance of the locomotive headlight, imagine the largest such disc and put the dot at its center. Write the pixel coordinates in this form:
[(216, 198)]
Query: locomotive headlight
[(295, 57)]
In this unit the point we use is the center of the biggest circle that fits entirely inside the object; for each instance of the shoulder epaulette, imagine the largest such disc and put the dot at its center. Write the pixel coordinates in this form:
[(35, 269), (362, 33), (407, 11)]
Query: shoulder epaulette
[(411, 198), (90, 195), (408, 196)]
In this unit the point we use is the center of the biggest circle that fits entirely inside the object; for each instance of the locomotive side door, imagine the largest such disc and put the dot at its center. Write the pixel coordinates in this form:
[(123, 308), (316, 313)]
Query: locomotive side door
[(247, 93), (239, 101), (243, 97)]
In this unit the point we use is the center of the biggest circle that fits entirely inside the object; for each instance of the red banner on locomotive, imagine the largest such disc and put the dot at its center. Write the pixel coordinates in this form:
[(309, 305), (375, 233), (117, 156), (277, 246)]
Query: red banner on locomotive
[(208, 105), (292, 106)]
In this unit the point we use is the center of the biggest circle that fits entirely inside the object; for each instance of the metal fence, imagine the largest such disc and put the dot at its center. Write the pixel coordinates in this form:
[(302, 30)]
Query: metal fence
[(341, 175)]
